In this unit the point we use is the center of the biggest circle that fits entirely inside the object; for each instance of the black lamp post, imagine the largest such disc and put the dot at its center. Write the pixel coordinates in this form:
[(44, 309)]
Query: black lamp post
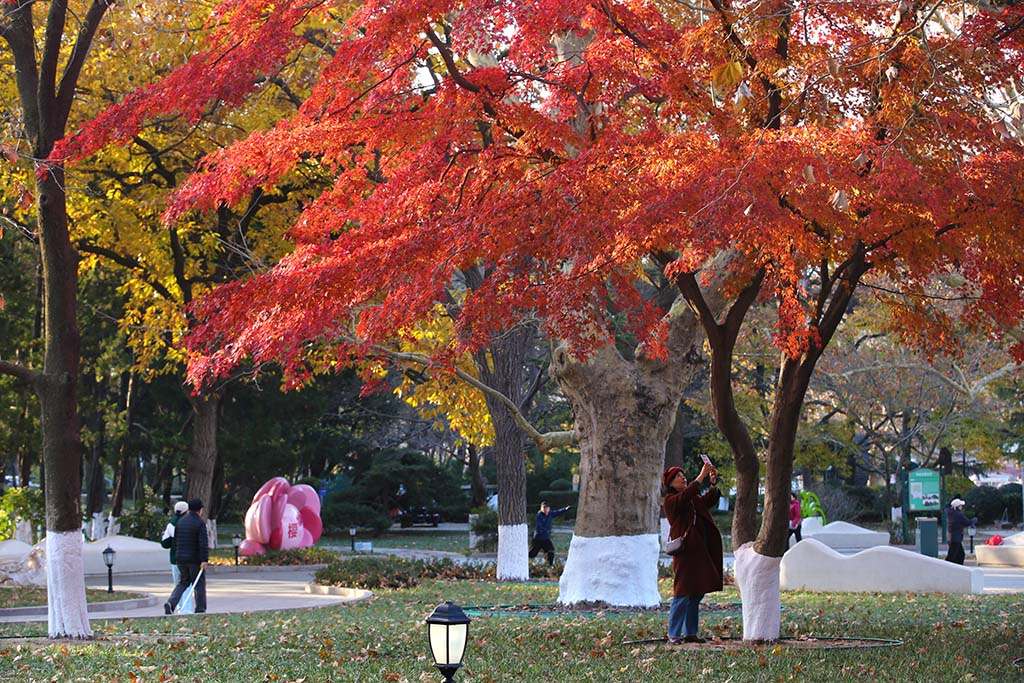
[(448, 630), (236, 541), (971, 530), (108, 559), (352, 536)]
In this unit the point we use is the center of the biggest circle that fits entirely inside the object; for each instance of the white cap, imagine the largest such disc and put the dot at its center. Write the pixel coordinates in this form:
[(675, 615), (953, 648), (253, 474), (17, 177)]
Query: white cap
[(181, 507), (956, 503)]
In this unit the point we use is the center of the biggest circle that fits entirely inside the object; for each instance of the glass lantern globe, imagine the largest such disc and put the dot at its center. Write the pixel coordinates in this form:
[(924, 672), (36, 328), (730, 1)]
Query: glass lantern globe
[(448, 630)]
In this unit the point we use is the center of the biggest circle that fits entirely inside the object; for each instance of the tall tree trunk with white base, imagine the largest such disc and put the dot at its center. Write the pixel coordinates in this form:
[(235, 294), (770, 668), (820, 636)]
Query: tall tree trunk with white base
[(624, 411), (758, 558), (502, 367), (62, 446)]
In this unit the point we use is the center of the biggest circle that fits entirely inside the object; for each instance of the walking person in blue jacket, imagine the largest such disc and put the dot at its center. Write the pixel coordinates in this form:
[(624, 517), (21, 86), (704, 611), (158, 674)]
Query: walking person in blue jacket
[(957, 521), (542, 532), (192, 552)]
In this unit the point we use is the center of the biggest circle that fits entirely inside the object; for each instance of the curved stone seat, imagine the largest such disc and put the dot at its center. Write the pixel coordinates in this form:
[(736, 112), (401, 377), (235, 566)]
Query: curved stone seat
[(1009, 554), (813, 566), (843, 535)]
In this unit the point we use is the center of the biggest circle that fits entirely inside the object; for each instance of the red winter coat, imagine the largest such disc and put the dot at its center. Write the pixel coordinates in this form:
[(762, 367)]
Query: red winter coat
[(795, 517), (698, 569)]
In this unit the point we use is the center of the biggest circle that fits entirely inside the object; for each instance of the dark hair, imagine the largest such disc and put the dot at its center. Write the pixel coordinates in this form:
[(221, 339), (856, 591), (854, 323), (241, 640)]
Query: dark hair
[(195, 505)]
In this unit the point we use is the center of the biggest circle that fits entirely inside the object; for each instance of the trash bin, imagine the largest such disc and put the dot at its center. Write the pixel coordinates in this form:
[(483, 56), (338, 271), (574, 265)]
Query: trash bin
[(928, 536)]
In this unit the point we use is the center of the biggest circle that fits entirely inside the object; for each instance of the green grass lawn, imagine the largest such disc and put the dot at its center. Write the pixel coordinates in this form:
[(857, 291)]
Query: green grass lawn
[(946, 638), (419, 539), (31, 596)]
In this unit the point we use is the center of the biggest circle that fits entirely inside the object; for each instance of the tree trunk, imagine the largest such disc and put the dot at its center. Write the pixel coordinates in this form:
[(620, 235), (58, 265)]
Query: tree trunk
[(202, 461), (623, 412), (502, 366), (478, 489), (96, 489), (62, 446)]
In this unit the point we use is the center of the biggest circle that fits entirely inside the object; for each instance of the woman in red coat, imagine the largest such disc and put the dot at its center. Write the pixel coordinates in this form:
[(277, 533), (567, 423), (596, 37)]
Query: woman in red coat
[(697, 570)]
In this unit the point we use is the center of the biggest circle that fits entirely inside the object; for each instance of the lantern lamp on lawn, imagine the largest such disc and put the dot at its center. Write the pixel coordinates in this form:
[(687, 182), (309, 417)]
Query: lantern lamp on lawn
[(448, 630), (971, 530), (108, 559), (236, 541), (352, 536)]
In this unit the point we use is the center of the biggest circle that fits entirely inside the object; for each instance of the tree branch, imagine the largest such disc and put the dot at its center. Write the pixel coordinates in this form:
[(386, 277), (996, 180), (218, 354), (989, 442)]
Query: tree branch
[(73, 69), (20, 372), (544, 442)]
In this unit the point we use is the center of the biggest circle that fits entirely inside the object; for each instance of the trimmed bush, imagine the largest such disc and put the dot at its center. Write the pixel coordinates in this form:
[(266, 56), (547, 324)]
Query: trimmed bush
[(485, 527), (1011, 497), (986, 503), (560, 485), (339, 514), (294, 557), (374, 573)]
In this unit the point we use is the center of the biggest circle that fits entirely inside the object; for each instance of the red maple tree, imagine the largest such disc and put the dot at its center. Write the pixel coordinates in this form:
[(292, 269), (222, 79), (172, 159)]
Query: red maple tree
[(576, 146)]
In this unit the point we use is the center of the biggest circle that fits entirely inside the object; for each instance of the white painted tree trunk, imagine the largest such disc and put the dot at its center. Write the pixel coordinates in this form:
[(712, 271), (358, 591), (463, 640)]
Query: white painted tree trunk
[(112, 526), (618, 570), (211, 531), (97, 528), (65, 583), (757, 577), (513, 552)]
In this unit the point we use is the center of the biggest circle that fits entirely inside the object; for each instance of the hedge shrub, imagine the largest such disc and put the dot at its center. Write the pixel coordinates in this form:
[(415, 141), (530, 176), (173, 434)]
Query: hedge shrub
[(294, 557), (986, 503)]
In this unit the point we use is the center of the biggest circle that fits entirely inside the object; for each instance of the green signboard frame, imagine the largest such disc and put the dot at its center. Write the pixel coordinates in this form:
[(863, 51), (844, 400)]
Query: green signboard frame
[(925, 490)]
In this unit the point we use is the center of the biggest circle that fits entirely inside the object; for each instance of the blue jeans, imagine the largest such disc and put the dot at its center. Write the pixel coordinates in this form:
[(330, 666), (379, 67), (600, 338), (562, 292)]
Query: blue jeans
[(683, 612)]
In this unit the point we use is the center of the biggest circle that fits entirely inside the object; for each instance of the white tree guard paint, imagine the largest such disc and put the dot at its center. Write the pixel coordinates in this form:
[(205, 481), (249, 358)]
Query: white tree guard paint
[(96, 530), (65, 583), (513, 548), (112, 526), (757, 577), (211, 533), (618, 570)]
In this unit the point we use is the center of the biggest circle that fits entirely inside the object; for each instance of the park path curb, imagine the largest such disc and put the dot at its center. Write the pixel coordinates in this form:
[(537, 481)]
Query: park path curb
[(350, 594), (92, 607)]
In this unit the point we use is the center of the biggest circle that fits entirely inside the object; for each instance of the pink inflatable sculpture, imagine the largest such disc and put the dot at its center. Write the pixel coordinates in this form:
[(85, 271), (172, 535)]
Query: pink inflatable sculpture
[(281, 517)]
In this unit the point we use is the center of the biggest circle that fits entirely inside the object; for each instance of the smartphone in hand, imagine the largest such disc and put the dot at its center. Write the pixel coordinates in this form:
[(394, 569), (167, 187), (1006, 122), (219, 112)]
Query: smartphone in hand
[(706, 459)]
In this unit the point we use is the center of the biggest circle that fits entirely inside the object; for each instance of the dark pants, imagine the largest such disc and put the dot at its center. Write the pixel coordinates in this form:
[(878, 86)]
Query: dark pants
[(544, 544), (794, 532), (189, 572), (956, 552)]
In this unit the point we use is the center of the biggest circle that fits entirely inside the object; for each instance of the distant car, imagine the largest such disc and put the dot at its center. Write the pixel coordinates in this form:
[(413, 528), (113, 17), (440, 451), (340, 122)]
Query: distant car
[(421, 516)]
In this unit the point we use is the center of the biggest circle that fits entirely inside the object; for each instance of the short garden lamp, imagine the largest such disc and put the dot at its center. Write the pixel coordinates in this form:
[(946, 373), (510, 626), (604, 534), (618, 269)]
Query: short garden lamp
[(448, 628), (108, 559), (352, 536), (236, 541), (971, 530)]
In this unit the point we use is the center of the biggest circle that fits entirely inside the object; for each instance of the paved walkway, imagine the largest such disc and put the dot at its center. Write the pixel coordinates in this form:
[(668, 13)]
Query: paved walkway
[(227, 590)]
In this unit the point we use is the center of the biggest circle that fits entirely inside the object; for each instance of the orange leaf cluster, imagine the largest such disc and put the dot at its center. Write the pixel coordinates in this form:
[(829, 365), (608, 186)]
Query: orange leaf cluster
[(560, 142)]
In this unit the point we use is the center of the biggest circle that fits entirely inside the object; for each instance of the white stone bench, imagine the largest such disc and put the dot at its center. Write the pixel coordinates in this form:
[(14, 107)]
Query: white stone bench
[(1009, 554), (843, 535), (813, 566), (133, 555)]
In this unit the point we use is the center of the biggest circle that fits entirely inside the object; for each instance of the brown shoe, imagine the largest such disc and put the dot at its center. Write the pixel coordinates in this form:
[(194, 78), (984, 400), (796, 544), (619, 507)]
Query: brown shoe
[(672, 640), (694, 639)]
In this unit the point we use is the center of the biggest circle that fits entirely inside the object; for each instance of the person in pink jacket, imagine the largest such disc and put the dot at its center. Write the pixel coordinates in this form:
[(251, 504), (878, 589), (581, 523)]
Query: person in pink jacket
[(795, 518)]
